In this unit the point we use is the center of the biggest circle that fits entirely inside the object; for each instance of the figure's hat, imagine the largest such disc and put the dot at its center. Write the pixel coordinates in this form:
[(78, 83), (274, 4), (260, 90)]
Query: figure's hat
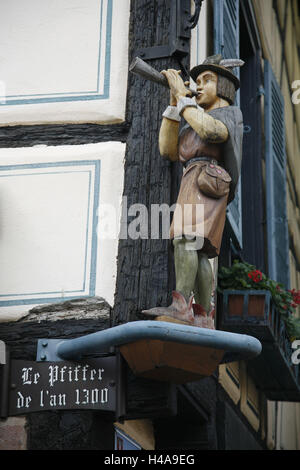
[(221, 66)]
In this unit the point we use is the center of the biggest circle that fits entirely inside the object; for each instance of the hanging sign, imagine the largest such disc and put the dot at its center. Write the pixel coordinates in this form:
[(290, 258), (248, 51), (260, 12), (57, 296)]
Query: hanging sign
[(39, 386)]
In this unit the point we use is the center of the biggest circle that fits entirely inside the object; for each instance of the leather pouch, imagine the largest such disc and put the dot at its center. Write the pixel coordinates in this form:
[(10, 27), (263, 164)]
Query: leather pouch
[(214, 181)]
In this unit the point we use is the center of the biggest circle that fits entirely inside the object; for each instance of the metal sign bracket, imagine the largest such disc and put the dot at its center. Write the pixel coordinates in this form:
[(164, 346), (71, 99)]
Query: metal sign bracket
[(179, 32), (4, 385), (47, 350)]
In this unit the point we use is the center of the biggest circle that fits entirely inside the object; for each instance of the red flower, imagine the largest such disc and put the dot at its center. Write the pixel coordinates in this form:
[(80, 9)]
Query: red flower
[(256, 275), (296, 296)]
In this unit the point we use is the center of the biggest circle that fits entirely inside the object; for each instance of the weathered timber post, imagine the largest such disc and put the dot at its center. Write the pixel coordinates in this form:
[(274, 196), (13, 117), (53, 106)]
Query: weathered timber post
[(145, 267)]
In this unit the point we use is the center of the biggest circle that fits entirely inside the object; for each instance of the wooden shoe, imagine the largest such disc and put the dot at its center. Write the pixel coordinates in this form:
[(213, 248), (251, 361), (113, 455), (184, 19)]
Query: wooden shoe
[(179, 309), (201, 319)]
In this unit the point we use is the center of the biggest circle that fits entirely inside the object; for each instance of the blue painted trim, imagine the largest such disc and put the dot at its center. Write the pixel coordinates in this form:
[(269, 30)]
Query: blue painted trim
[(93, 267), (87, 234), (41, 293), (108, 48), (23, 166), (41, 300), (38, 174), (95, 226), (84, 95), (197, 39), (56, 94), (99, 50)]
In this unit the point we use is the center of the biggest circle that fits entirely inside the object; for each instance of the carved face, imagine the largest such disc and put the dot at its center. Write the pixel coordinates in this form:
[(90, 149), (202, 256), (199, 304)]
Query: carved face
[(207, 89)]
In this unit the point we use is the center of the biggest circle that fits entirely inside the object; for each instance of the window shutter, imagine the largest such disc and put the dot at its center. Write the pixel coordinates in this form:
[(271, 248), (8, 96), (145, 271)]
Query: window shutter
[(227, 43), (276, 208)]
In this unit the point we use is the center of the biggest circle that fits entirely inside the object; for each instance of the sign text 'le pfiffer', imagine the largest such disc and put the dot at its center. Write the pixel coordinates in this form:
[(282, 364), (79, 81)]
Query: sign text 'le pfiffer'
[(37, 386)]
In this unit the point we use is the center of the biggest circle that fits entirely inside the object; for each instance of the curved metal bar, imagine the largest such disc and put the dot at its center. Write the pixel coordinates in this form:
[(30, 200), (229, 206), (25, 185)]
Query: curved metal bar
[(195, 17), (241, 346)]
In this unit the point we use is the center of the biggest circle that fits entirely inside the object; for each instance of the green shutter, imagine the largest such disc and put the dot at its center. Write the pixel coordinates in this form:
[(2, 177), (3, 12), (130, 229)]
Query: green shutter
[(276, 182), (227, 43)]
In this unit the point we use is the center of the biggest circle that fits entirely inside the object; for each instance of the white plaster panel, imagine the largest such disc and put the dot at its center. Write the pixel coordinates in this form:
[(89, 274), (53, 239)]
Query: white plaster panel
[(53, 233), (63, 61), (199, 38)]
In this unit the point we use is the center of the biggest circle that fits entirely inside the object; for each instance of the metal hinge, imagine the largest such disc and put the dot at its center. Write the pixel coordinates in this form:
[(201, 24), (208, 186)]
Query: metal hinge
[(247, 129), (260, 91), (4, 384)]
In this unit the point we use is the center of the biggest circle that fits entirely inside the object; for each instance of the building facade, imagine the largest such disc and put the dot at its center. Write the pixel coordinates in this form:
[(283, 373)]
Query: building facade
[(79, 161)]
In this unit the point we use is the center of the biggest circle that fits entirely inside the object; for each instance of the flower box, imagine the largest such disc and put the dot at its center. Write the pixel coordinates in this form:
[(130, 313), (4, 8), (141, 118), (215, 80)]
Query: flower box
[(251, 307), (252, 312)]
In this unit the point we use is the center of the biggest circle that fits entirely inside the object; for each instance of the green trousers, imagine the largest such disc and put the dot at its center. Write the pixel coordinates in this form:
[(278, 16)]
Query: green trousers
[(193, 272)]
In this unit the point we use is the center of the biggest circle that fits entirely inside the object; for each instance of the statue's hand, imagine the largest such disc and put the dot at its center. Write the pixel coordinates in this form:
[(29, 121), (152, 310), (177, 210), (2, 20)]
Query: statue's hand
[(176, 84)]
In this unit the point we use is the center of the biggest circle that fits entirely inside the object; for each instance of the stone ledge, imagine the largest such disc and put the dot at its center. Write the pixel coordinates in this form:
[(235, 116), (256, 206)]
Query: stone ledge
[(78, 309)]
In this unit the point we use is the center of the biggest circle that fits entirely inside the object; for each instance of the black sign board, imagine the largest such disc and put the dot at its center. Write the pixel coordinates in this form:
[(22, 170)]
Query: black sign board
[(40, 386)]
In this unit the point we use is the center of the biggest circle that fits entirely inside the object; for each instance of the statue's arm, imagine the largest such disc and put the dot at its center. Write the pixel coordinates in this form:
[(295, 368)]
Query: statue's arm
[(209, 129), (168, 139), (169, 130)]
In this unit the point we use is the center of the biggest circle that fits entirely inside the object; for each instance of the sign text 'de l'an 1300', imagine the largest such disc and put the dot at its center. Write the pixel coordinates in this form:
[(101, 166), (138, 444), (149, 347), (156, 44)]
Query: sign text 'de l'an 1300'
[(38, 386)]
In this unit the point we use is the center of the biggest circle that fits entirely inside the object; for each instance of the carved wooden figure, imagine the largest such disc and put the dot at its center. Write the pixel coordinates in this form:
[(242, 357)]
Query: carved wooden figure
[(210, 149)]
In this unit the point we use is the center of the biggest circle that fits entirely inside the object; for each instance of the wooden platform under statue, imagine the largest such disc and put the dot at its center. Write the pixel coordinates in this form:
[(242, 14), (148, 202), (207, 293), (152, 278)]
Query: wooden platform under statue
[(171, 361)]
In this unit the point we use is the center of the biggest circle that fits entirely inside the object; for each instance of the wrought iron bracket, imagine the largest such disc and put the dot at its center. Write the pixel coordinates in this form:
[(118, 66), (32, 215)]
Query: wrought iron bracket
[(181, 24), (260, 92), (47, 350), (104, 341), (4, 383)]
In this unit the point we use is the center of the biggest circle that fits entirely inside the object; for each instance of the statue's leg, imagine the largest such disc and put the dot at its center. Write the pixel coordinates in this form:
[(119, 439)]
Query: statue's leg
[(204, 282), (186, 266)]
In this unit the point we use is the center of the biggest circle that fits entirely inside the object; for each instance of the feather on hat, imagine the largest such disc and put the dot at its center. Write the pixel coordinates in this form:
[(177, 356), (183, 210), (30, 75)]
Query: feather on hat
[(221, 66)]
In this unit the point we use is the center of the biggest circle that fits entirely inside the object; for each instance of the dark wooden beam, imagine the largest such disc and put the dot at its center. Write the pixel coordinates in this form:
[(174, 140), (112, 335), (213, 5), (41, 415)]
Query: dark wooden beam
[(61, 134), (145, 267)]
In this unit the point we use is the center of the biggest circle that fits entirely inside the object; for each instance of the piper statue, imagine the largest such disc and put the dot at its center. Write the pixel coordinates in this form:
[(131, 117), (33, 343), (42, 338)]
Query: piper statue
[(210, 148)]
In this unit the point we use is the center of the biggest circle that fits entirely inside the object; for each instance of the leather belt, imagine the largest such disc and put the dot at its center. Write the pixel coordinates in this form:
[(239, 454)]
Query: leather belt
[(201, 159)]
